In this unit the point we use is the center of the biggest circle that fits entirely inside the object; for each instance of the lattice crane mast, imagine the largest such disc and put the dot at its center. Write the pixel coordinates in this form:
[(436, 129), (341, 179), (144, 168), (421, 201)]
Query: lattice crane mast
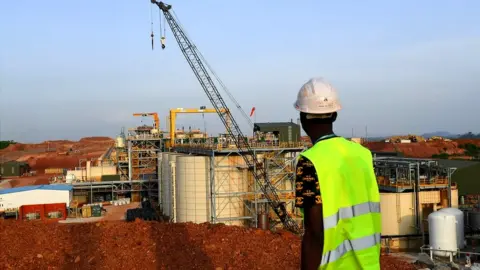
[(195, 61)]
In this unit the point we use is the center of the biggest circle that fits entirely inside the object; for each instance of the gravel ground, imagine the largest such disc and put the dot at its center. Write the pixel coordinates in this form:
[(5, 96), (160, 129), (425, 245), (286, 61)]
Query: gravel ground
[(149, 245)]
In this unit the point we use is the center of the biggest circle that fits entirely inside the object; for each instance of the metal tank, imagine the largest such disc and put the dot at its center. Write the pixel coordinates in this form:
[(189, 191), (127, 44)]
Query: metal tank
[(192, 186), (441, 225), (120, 142), (69, 178), (473, 218), (459, 217)]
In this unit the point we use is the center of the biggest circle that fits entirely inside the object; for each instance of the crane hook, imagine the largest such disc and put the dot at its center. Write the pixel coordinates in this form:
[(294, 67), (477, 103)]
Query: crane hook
[(162, 40), (151, 35)]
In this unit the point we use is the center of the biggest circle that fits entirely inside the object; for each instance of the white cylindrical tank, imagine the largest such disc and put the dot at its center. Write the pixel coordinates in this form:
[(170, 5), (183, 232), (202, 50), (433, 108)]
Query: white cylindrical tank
[(69, 178), (120, 142), (460, 224), (442, 226), (192, 189)]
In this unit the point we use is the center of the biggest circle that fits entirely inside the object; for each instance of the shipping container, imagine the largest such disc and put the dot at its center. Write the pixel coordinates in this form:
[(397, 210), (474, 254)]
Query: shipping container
[(56, 171), (46, 212), (14, 168)]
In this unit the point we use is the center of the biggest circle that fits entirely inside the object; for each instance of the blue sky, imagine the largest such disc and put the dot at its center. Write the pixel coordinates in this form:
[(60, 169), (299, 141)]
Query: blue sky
[(70, 69)]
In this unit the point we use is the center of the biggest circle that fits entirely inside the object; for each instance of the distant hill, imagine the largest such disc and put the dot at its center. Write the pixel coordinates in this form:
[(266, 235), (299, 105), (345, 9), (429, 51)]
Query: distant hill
[(444, 134)]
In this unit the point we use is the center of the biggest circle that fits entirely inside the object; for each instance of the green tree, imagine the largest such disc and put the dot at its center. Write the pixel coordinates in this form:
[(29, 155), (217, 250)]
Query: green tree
[(5, 144)]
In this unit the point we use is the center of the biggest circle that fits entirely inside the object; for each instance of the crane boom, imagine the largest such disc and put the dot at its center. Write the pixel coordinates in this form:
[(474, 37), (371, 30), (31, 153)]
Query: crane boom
[(190, 52)]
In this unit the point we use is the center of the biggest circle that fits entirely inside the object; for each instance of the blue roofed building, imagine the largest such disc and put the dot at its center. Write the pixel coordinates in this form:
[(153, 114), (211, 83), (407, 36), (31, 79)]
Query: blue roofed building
[(13, 198)]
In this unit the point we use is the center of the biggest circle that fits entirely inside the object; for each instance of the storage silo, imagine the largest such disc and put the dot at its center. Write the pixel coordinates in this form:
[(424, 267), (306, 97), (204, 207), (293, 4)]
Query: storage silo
[(460, 224), (192, 185), (441, 227)]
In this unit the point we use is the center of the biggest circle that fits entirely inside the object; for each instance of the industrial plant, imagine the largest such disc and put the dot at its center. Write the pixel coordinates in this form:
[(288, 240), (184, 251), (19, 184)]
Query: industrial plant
[(187, 175)]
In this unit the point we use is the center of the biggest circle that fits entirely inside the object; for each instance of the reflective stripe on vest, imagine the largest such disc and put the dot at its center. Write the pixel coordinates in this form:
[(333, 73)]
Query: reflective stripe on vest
[(350, 245), (350, 212)]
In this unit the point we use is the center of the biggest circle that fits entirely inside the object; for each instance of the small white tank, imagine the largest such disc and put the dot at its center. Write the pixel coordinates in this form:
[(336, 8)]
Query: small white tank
[(460, 224), (120, 142), (69, 178), (442, 227)]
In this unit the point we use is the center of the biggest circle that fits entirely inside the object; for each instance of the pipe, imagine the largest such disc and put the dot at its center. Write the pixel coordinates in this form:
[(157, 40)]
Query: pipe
[(449, 188), (417, 200), (401, 236)]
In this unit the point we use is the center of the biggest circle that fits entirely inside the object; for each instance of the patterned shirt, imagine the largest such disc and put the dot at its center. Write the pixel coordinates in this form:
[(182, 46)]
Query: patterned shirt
[(307, 188)]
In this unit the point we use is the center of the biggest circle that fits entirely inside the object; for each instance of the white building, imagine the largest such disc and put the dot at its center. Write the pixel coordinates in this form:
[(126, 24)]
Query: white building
[(13, 198)]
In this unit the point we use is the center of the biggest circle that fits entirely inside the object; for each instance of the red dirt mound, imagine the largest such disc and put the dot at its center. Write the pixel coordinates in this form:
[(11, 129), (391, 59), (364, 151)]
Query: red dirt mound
[(55, 162), (149, 245), (95, 139)]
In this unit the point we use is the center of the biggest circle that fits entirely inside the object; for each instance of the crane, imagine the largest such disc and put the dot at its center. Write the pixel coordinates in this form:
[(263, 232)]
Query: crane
[(173, 117), (155, 118), (194, 59)]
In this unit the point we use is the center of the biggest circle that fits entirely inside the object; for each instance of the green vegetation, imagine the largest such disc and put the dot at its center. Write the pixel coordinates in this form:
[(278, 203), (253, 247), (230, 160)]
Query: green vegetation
[(5, 144), (469, 135), (471, 149), (466, 178), (441, 156)]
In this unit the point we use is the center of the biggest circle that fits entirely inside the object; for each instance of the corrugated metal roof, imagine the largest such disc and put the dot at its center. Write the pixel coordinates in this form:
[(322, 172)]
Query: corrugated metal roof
[(44, 187)]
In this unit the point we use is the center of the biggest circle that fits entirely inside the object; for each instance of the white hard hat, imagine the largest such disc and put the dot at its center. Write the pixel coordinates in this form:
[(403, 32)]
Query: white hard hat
[(317, 97)]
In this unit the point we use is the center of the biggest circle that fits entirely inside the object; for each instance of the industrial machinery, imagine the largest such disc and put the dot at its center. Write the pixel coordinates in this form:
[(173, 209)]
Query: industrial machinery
[(174, 112), (155, 119), (194, 59)]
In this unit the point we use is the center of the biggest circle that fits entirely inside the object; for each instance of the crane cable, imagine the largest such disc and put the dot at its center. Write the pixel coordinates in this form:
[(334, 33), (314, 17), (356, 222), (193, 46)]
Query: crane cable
[(225, 89)]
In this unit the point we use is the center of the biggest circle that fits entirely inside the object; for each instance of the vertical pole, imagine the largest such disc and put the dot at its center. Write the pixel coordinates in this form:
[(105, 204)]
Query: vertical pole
[(160, 178), (130, 161), (212, 189), (417, 199), (91, 192), (449, 188), (255, 193)]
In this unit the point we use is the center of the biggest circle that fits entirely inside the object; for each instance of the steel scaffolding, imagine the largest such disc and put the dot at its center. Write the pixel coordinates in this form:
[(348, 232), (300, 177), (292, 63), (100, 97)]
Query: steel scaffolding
[(231, 181), (115, 187), (404, 174)]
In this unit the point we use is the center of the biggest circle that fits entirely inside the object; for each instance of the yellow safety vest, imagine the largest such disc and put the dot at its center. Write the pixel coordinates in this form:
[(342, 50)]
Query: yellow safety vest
[(351, 204)]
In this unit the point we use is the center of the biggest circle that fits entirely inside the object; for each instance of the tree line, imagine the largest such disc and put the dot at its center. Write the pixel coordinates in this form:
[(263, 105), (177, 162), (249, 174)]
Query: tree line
[(5, 144)]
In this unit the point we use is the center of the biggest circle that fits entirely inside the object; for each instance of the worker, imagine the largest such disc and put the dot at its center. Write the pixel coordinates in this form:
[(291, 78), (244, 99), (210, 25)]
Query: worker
[(336, 189)]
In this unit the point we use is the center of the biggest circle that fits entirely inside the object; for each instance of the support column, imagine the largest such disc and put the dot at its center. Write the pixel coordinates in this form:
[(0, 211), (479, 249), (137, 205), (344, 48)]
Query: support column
[(213, 207), (130, 161)]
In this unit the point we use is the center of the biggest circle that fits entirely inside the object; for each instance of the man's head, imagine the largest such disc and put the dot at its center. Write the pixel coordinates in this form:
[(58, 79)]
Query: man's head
[(317, 102)]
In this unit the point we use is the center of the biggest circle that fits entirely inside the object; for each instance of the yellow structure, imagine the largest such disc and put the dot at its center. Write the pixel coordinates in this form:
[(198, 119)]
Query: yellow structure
[(173, 116), (155, 118)]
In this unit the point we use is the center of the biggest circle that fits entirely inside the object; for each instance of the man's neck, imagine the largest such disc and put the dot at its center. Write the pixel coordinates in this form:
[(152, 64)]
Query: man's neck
[(317, 135)]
